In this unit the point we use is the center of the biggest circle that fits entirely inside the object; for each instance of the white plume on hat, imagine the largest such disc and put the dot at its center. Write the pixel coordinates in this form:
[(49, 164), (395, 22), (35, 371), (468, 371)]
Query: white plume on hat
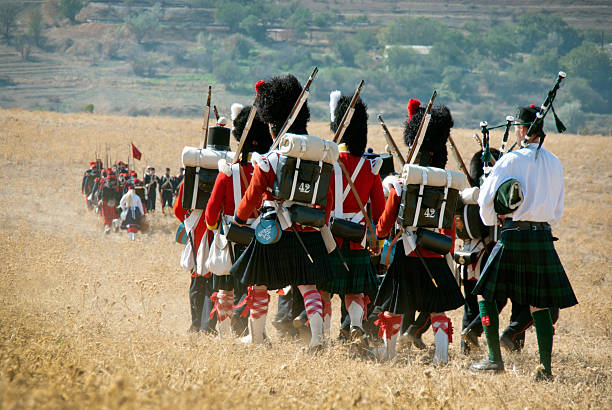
[(334, 97), (235, 110), (222, 121)]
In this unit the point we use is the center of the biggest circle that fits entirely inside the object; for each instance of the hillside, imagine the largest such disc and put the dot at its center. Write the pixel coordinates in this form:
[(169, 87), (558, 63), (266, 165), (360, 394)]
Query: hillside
[(94, 321), (479, 66)]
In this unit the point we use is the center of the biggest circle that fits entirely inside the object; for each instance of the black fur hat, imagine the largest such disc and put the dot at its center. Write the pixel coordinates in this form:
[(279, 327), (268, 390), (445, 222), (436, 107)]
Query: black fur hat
[(476, 164), (528, 114), (438, 131), (258, 138), (276, 98), (356, 134)]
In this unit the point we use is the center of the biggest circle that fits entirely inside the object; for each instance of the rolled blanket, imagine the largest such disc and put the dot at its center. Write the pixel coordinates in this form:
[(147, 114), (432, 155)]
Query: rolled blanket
[(413, 175), (470, 195), (204, 158), (309, 148)]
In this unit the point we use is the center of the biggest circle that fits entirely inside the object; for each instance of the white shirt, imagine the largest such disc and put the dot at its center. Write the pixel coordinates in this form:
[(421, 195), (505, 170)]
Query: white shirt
[(136, 203), (541, 182)]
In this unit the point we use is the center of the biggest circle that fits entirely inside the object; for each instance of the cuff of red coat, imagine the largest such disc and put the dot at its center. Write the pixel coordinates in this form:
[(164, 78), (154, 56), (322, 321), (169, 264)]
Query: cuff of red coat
[(239, 221)]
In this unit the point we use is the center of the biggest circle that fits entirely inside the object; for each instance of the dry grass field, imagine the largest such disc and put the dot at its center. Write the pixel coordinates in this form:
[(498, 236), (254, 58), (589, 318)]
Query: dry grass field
[(94, 321)]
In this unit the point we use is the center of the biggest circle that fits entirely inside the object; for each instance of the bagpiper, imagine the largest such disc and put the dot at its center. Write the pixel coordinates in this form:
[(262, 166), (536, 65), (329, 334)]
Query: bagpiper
[(524, 192)]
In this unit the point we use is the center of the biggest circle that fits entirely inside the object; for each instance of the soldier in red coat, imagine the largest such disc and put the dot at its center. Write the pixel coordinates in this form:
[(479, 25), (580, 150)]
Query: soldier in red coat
[(230, 186), (284, 262), (407, 286), (361, 277)]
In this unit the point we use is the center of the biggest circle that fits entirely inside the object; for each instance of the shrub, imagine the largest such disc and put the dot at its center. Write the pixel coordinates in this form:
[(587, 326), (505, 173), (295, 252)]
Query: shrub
[(89, 108)]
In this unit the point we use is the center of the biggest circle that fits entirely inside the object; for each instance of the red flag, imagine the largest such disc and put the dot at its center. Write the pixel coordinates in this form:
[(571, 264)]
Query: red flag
[(135, 153)]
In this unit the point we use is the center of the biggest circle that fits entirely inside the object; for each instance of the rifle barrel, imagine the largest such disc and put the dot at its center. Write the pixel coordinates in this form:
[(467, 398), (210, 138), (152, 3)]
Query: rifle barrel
[(391, 141)]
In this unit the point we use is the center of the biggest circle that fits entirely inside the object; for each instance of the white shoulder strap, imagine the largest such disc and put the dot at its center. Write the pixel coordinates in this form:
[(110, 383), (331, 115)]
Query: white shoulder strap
[(236, 185), (338, 206), (353, 177)]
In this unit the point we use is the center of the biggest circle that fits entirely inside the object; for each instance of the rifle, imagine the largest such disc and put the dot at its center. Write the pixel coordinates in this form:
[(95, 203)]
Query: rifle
[(544, 108), (346, 118), (416, 145), (216, 112), (296, 109), (486, 151), (460, 160), (245, 131), (390, 142), (204, 136)]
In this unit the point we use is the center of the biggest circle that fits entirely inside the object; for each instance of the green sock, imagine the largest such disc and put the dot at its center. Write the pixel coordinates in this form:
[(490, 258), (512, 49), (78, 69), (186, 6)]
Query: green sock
[(490, 323), (544, 333)]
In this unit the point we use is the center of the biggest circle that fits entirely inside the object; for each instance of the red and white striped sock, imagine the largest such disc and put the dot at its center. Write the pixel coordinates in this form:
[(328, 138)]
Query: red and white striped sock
[(389, 327), (327, 312), (314, 310), (355, 305)]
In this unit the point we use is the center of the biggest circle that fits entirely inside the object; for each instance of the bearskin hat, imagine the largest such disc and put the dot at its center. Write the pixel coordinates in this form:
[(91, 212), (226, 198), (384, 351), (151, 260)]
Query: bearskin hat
[(276, 98), (528, 114), (436, 136), (258, 138), (356, 134), (476, 164)]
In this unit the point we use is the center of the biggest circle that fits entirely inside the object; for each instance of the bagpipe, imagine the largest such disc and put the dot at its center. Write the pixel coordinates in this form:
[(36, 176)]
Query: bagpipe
[(544, 108)]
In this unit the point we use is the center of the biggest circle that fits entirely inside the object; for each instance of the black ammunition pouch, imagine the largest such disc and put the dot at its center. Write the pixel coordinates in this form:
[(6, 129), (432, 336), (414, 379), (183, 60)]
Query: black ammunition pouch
[(240, 234), (348, 230), (466, 258), (300, 180), (468, 222), (307, 216), (430, 207), (206, 182), (434, 241)]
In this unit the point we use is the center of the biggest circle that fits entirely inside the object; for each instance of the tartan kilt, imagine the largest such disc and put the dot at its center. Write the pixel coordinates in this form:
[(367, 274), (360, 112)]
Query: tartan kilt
[(524, 266), (361, 276), (229, 282), (285, 263), (407, 287)]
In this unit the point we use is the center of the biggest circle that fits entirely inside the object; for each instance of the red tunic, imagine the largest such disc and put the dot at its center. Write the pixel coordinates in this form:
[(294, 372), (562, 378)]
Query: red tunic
[(222, 196), (389, 216), (369, 187), (258, 189)]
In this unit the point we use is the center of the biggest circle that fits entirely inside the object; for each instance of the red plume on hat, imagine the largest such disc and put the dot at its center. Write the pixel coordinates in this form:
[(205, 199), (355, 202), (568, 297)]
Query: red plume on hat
[(258, 85), (413, 105)]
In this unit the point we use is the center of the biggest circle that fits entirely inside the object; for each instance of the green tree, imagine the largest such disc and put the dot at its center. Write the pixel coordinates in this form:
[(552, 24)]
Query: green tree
[(144, 24), (324, 19), (70, 8), (253, 27), (8, 14), (366, 38), (415, 31), (533, 27), (35, 23), (590, 62), (230, 14), (299, 21)]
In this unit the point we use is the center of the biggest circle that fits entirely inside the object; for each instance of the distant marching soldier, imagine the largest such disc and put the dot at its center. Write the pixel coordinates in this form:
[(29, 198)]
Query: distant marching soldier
[(407, 286), (151, 180), (166, 190), (526, 189), (361, 278), (230, 185), (89, 179)]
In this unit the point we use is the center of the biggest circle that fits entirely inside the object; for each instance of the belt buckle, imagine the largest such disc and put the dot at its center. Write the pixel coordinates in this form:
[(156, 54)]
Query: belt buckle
[(534, 227)]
